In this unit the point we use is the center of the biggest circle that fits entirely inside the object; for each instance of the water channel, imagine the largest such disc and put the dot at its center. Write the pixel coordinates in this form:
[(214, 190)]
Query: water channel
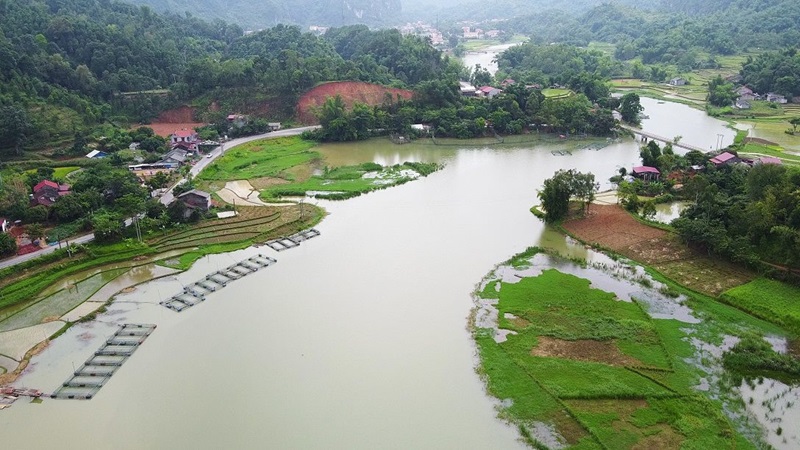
[(354, 340)]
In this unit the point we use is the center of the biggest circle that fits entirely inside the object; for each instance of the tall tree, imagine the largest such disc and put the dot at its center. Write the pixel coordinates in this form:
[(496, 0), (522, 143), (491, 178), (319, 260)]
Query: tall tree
[(8, 246), (15, 127), (630, 107)]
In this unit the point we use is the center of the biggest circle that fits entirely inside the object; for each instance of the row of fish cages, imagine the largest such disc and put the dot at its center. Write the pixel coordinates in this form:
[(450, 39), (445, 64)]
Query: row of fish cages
[(292, 241), (85, 382), (196, 292)]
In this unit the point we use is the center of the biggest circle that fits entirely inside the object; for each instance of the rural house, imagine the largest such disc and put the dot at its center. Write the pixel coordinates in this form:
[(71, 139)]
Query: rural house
[(768, 160), (466, 89), (184, 139), (47, 192), (489, 92), (196, 199), (237, 120), (677, 82), (725, 158), (176, 156), (776, 98), (646, 173)]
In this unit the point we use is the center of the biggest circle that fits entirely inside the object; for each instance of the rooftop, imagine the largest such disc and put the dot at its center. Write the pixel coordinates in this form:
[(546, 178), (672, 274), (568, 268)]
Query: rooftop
[(723, 158), (645, 169)]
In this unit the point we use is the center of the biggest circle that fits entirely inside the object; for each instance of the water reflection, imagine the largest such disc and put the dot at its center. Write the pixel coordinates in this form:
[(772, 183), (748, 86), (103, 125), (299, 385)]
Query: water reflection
[(667, 212)]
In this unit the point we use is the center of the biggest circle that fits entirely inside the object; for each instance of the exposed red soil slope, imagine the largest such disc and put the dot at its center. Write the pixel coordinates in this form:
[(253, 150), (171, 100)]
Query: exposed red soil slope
[(184, 114), (175, 119), (166, 129), (351, 92)]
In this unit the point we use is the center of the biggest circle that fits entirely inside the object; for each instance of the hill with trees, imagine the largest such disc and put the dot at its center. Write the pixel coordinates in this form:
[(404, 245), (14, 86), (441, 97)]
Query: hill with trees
[(69, 67), (674, 32), (257, 15)]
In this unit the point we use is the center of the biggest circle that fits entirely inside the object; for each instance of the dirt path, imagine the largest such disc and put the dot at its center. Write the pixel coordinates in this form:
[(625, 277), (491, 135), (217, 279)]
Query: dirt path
[(611, 227)]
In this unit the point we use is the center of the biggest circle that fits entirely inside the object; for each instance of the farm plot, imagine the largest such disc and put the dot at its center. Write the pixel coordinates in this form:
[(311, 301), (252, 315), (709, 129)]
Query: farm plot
[(611, 227)]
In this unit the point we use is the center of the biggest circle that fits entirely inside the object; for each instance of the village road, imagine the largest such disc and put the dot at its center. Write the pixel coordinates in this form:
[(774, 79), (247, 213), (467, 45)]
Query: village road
[(167, 197)]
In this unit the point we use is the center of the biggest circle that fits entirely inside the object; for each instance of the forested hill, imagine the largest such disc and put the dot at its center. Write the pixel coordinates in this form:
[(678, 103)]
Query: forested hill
[(260, 14), (69, 66), (63, 61), (477, 10), (674, 32)]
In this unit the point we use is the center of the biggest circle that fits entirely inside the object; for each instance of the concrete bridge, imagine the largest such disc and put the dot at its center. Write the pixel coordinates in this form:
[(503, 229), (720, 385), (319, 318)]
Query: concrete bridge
[(656, 137)]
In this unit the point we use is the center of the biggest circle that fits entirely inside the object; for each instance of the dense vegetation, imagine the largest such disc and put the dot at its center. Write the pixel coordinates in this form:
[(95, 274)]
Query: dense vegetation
[(745, 214), (777, 72), (262, 14), (564, 186), (583, 106), (681, 33), (63, 63), (560, 64), (68, 66)]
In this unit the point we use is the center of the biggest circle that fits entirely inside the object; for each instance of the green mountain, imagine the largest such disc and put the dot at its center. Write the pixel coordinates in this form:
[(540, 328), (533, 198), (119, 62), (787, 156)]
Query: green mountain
[(260, 14)]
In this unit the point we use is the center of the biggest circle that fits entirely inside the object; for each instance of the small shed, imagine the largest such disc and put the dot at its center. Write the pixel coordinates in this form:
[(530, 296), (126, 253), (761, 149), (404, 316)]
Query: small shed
[(646, 173), (96, 154)]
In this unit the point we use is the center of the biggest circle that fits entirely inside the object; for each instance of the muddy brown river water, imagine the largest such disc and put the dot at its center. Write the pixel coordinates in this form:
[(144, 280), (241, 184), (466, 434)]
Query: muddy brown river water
[(356, 339)]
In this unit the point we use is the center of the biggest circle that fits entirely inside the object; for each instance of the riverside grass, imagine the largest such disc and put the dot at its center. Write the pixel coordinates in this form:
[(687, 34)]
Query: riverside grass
[(768, 299), (349, 181), (596, 404), (281, 158)]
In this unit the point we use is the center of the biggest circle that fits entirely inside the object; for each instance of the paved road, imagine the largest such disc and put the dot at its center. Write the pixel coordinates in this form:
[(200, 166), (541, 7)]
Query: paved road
[(50, 249), (168, 197)]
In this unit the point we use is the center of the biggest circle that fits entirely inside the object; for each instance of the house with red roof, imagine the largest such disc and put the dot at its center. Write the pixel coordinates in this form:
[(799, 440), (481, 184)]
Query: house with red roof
[(768, 160), (47, 192), (185, 139), (489, 91), (724, 158), (646, 173)]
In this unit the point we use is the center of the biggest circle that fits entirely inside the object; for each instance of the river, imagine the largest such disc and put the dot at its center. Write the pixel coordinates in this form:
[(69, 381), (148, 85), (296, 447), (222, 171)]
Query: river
[(356, 339), (486, 57)]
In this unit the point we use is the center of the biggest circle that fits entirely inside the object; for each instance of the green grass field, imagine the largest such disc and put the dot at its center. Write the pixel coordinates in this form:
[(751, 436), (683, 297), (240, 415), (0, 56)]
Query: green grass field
[(769, 299), (262, 158), (59, 173), (556, 93), (349, 181)]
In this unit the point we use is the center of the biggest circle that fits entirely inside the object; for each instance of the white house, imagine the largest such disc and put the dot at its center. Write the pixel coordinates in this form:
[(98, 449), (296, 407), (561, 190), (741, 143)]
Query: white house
[(776, 98)]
